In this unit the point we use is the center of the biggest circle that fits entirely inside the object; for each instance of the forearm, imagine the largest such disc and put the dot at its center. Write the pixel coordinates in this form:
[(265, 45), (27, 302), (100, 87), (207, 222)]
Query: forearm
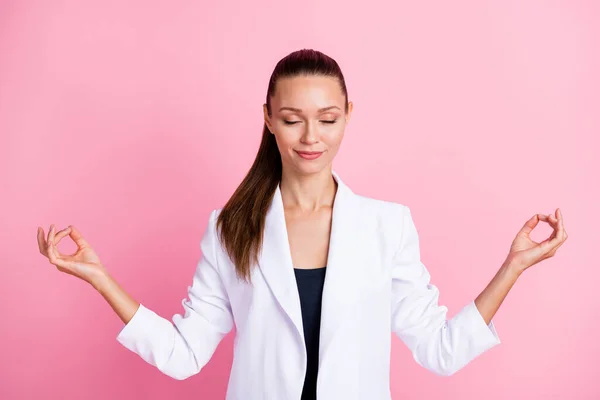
[(493, 295), (120, 301)]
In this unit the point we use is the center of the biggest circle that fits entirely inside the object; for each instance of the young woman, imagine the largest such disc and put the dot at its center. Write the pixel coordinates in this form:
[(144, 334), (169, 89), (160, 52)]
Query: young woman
[(314, 276)]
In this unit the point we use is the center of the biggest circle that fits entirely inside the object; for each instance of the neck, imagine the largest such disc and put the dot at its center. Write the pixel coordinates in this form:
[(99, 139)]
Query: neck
[(308, 192)]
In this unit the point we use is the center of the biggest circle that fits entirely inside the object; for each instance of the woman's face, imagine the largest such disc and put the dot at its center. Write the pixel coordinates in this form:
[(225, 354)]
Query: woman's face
[(308, 121)]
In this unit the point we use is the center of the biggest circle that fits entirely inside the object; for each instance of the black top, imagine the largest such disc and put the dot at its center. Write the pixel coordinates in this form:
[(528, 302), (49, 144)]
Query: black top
[(310, 287)]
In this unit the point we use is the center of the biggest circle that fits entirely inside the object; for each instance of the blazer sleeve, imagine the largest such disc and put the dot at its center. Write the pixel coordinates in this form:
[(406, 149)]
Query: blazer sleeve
[(440, 345), (181, 348)]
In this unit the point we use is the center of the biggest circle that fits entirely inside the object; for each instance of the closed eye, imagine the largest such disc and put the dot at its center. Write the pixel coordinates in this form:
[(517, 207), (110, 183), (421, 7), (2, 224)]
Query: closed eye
[(323, 121)]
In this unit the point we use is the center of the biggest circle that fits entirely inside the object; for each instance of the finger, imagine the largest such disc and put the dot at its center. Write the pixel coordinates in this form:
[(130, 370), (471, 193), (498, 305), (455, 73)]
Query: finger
[(561, 234), (557, 224), (77, 238), (552, 221), (41, 240), (545, 247), (555, 220), (62, 234), (53, 253), (552, 242), (532, 223), (50, 245), (49, 232), (561, 221), (57, 238)]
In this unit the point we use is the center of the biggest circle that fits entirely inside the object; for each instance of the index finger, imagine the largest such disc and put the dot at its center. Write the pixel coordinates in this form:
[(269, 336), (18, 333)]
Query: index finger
[(561, 227)]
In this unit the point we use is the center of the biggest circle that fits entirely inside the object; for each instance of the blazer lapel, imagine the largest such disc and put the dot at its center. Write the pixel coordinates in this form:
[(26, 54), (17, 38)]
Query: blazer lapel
[(276, 263), (343, 275), (342, 278)]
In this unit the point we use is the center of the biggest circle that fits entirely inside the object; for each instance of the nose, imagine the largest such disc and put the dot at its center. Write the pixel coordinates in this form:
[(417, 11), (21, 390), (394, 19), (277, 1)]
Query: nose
[(311, 134)]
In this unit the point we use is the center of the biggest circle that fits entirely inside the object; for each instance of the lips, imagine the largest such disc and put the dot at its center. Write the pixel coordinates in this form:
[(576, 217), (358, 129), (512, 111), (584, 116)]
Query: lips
[(309, 155)]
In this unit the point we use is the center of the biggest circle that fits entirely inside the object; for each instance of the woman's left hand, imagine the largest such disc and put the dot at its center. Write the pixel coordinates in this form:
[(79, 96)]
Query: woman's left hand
[(524, 252)]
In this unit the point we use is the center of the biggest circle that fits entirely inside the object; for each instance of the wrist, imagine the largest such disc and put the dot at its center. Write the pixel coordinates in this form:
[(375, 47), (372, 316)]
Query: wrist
[(101, 280), (513, 267)]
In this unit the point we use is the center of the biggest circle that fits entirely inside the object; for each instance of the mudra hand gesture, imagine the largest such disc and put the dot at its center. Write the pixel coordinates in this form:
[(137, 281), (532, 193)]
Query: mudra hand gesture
[(84, 263), (524, 252)]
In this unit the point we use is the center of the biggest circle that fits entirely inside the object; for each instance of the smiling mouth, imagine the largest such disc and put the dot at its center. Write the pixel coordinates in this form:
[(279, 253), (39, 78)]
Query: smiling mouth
[(309, 155)]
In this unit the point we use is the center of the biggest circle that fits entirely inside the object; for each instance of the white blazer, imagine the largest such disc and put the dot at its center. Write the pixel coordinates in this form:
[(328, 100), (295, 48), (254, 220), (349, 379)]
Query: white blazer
[(375, 284)]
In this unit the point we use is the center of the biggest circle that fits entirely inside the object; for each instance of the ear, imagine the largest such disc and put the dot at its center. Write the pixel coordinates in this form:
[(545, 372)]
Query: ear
[(349, 113), (266, 118)]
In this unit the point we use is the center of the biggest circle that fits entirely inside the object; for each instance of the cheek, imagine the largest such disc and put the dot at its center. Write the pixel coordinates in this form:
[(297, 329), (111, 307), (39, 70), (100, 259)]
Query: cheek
[(287, 138), (334, 137), (285, 142)]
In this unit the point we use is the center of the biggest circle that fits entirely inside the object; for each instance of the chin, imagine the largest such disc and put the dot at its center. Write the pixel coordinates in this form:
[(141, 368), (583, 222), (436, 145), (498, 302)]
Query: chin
[(310, 167)]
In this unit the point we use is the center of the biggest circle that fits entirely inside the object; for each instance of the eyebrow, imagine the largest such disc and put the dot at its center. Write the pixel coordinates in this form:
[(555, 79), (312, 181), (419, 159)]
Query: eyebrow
[(299, 110)]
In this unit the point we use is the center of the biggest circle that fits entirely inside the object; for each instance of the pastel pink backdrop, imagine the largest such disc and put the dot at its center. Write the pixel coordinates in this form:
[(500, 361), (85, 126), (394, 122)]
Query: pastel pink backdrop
[(133, 122)]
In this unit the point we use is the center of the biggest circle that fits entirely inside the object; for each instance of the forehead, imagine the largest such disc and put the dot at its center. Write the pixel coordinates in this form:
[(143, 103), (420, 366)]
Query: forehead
[(308, 92)]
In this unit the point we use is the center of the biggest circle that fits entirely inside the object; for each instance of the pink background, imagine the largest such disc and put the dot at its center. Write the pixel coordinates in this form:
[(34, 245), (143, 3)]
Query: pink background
[(133, 122)]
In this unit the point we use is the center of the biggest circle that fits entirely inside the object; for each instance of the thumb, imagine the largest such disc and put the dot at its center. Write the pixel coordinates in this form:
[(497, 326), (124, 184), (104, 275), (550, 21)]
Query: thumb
[(77, 237), (530, 224)]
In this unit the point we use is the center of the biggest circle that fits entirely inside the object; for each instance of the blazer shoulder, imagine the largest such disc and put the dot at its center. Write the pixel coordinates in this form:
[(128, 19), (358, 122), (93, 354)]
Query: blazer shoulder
[(211, 233), (386, 209), (387, 217)]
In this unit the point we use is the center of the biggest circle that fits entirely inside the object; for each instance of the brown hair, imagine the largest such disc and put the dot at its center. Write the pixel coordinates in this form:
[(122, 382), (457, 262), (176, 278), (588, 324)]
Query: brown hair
[(241, 221)]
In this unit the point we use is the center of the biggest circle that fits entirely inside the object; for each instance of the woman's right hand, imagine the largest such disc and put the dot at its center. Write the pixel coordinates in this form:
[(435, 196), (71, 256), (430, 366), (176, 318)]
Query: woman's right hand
[(84, 263)]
